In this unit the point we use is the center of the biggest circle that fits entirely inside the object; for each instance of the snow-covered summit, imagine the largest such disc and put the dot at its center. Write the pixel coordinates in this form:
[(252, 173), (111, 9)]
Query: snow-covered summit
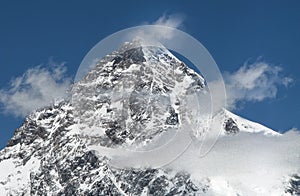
[(129, 98)]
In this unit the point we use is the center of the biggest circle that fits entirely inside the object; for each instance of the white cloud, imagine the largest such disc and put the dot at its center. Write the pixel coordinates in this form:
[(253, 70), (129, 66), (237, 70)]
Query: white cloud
[(252, 163), (254, 82), (37, 87)]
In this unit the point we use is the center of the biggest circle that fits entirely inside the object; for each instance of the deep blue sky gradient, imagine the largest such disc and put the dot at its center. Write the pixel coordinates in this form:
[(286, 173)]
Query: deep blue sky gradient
[(233, 31)]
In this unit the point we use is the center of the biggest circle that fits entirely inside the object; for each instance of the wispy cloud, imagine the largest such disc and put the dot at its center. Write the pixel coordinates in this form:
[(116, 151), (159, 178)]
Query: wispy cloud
[(37, 87), (254, 82)]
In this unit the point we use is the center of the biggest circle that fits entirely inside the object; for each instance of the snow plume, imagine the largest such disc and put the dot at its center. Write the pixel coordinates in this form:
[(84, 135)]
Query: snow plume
[(174, 21), (165, 32), (37, 87), (254, 82)]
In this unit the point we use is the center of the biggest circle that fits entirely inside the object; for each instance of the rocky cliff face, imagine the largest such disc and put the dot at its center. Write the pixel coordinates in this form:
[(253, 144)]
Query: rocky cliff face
[(130, 98)]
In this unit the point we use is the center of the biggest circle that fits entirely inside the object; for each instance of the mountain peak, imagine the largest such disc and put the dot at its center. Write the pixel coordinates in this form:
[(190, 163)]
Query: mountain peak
[(132, 97)]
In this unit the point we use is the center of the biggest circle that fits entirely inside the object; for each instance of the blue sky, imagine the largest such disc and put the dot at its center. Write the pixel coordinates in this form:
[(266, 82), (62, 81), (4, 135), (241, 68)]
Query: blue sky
[(234, 32)]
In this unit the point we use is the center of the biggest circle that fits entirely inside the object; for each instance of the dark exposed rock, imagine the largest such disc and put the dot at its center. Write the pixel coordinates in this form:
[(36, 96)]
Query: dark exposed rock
[(231, 126), (173, 118), (125, 59), (159, 186), (294, 185)]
